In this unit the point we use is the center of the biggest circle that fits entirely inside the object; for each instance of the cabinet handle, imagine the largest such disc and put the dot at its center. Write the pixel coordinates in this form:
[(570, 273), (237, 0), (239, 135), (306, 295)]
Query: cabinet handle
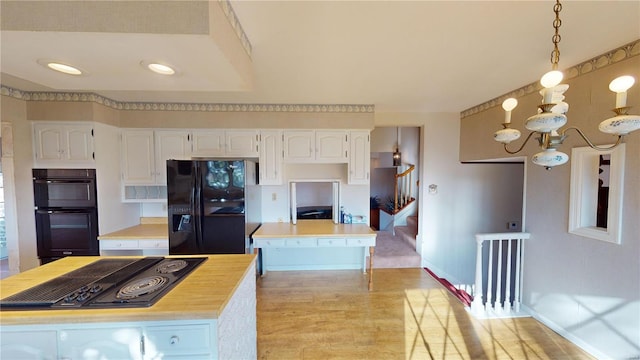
[(174, 340)]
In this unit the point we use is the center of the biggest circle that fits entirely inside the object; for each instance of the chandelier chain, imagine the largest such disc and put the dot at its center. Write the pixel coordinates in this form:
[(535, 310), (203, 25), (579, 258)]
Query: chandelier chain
[(555, 54)]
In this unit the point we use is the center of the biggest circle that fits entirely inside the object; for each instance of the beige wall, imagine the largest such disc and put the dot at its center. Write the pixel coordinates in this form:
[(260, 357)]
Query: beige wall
[(587, 289)]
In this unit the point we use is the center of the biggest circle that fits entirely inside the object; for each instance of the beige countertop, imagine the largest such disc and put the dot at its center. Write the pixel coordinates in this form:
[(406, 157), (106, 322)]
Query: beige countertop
[(149, 228), (203, 294), (312, 228)]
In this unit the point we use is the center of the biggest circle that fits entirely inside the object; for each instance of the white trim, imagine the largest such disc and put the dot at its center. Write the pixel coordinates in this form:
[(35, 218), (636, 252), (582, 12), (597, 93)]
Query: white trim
[(565, 334)]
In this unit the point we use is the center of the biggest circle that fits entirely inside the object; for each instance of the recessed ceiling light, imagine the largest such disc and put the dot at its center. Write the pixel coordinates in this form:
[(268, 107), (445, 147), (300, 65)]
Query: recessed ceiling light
[(161, 69), (64, 68)]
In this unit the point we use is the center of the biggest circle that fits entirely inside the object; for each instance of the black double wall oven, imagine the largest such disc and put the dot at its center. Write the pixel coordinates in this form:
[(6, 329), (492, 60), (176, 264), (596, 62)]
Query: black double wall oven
[(66, 213)]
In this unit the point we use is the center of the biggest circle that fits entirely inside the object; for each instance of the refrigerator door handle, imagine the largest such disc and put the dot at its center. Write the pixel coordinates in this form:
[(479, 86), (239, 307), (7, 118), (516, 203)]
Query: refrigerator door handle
[(197, 203)]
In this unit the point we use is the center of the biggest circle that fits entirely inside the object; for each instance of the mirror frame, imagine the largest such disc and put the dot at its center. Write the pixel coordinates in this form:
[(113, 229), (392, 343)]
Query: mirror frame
[(582, 201)]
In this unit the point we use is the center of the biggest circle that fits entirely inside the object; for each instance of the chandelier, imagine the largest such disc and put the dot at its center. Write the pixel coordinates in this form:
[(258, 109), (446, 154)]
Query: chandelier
[(551, 113)]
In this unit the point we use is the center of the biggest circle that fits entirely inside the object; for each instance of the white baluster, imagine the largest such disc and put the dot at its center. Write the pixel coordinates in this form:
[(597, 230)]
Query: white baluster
[(498, 300), (507, 298), (519, 264), (490, 276)]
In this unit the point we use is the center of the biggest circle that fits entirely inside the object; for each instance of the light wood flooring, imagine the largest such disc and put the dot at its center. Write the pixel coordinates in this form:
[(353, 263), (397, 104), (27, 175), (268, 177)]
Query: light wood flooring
[(408, 315)]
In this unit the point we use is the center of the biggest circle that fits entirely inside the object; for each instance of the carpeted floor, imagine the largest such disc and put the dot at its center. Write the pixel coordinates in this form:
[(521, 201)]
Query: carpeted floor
[(393, 252)]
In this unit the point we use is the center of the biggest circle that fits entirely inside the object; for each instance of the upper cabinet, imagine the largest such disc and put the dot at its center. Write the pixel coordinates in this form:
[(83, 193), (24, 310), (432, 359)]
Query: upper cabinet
[(225, 143), (359, 161), (59, 144), (270, 159), (138, 157), (320, 146), (145, 152)]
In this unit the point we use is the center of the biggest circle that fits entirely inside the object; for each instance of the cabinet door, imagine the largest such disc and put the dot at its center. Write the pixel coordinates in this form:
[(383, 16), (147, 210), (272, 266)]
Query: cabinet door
[(29, 345), (241, 143), (359, 159), (299, 146), (170, 144), (49, 142), (208, 143), (106, 343), (270, 157), (79, 143), (332, 146), (138, 157)]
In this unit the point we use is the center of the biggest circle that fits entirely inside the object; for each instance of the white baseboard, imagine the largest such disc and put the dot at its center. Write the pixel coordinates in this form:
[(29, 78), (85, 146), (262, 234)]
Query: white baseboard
[(562, 332)]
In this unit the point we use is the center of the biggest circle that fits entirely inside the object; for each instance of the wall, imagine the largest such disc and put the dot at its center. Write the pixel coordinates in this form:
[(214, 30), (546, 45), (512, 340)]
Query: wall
[(466, 202), (587, 290)]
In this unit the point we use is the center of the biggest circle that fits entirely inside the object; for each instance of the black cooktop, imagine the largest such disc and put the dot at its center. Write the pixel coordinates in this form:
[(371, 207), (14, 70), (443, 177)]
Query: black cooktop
[(106, 283)]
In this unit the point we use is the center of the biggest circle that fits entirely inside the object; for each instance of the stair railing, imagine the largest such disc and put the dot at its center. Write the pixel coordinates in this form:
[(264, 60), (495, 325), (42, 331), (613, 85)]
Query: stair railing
[(402, 187), (498, 283)]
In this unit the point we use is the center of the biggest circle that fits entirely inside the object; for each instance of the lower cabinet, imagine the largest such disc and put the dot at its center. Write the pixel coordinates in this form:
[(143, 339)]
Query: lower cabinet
[(155, 340), (18, 345), (144, 247)]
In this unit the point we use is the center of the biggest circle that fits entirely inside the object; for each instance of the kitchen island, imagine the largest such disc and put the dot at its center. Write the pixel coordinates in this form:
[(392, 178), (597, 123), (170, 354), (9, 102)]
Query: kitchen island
[(210, 314), (315, 245)]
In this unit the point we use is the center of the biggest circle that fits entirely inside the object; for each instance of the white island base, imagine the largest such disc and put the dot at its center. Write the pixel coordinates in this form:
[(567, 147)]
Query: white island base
[(210, 324)]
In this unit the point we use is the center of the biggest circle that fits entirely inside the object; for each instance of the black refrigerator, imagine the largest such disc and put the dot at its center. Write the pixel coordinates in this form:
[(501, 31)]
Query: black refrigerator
[(213, 206)]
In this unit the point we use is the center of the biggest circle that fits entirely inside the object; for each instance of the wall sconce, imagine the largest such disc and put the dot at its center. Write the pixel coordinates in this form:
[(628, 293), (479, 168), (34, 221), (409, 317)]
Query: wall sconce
[(551, 114)]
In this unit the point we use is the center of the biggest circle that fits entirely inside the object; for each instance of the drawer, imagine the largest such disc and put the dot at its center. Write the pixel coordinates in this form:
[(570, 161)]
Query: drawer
[(361, 241), (301, 242), (153, 244), (265, 243), (332, 242), (180, 340), (118, 244)]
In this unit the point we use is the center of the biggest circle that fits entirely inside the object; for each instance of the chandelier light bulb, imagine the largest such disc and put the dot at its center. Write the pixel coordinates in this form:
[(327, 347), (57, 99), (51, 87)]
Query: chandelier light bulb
[(508, 105), (620, 85), (551, 79)]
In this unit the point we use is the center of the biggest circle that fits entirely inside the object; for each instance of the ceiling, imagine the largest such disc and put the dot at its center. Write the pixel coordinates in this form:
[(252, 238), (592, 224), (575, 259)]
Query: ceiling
[(401, 56)]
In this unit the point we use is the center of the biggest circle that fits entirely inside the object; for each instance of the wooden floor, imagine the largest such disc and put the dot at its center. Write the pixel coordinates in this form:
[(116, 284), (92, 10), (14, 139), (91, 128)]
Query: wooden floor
[(408, 315)]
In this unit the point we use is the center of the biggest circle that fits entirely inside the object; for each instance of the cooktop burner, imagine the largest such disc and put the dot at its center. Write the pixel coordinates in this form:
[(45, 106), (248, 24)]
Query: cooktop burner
[(106, 283)]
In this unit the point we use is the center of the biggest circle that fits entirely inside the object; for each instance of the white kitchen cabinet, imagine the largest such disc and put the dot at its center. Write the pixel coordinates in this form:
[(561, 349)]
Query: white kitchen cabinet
[(208, 143), (320, 146), (29, 345), (299, 146), (138, 157), (270, 159), (225, 143), (242, 143), (145, 152), (359, 159), (170, 144), (60, 144), (100, 343), (332, 146)]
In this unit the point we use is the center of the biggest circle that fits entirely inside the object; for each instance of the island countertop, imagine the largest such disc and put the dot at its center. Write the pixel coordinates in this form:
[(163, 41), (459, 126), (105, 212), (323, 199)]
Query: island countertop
[(312, 228), (203, 294)]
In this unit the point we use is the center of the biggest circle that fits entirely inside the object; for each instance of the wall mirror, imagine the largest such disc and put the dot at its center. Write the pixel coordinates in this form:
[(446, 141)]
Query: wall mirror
[(595, 206)]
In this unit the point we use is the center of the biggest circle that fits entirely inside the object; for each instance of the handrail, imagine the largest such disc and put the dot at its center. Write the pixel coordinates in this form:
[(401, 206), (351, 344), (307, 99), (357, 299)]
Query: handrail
[(406, 172), (405, 189)]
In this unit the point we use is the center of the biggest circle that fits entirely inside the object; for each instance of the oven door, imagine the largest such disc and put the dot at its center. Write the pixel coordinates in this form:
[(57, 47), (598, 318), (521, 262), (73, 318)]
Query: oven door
[(67, 232), (64, 193)]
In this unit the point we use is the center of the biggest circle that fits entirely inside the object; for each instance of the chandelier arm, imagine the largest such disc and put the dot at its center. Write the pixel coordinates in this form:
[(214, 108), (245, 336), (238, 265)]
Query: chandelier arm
[(522, 146), (591, 145)]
